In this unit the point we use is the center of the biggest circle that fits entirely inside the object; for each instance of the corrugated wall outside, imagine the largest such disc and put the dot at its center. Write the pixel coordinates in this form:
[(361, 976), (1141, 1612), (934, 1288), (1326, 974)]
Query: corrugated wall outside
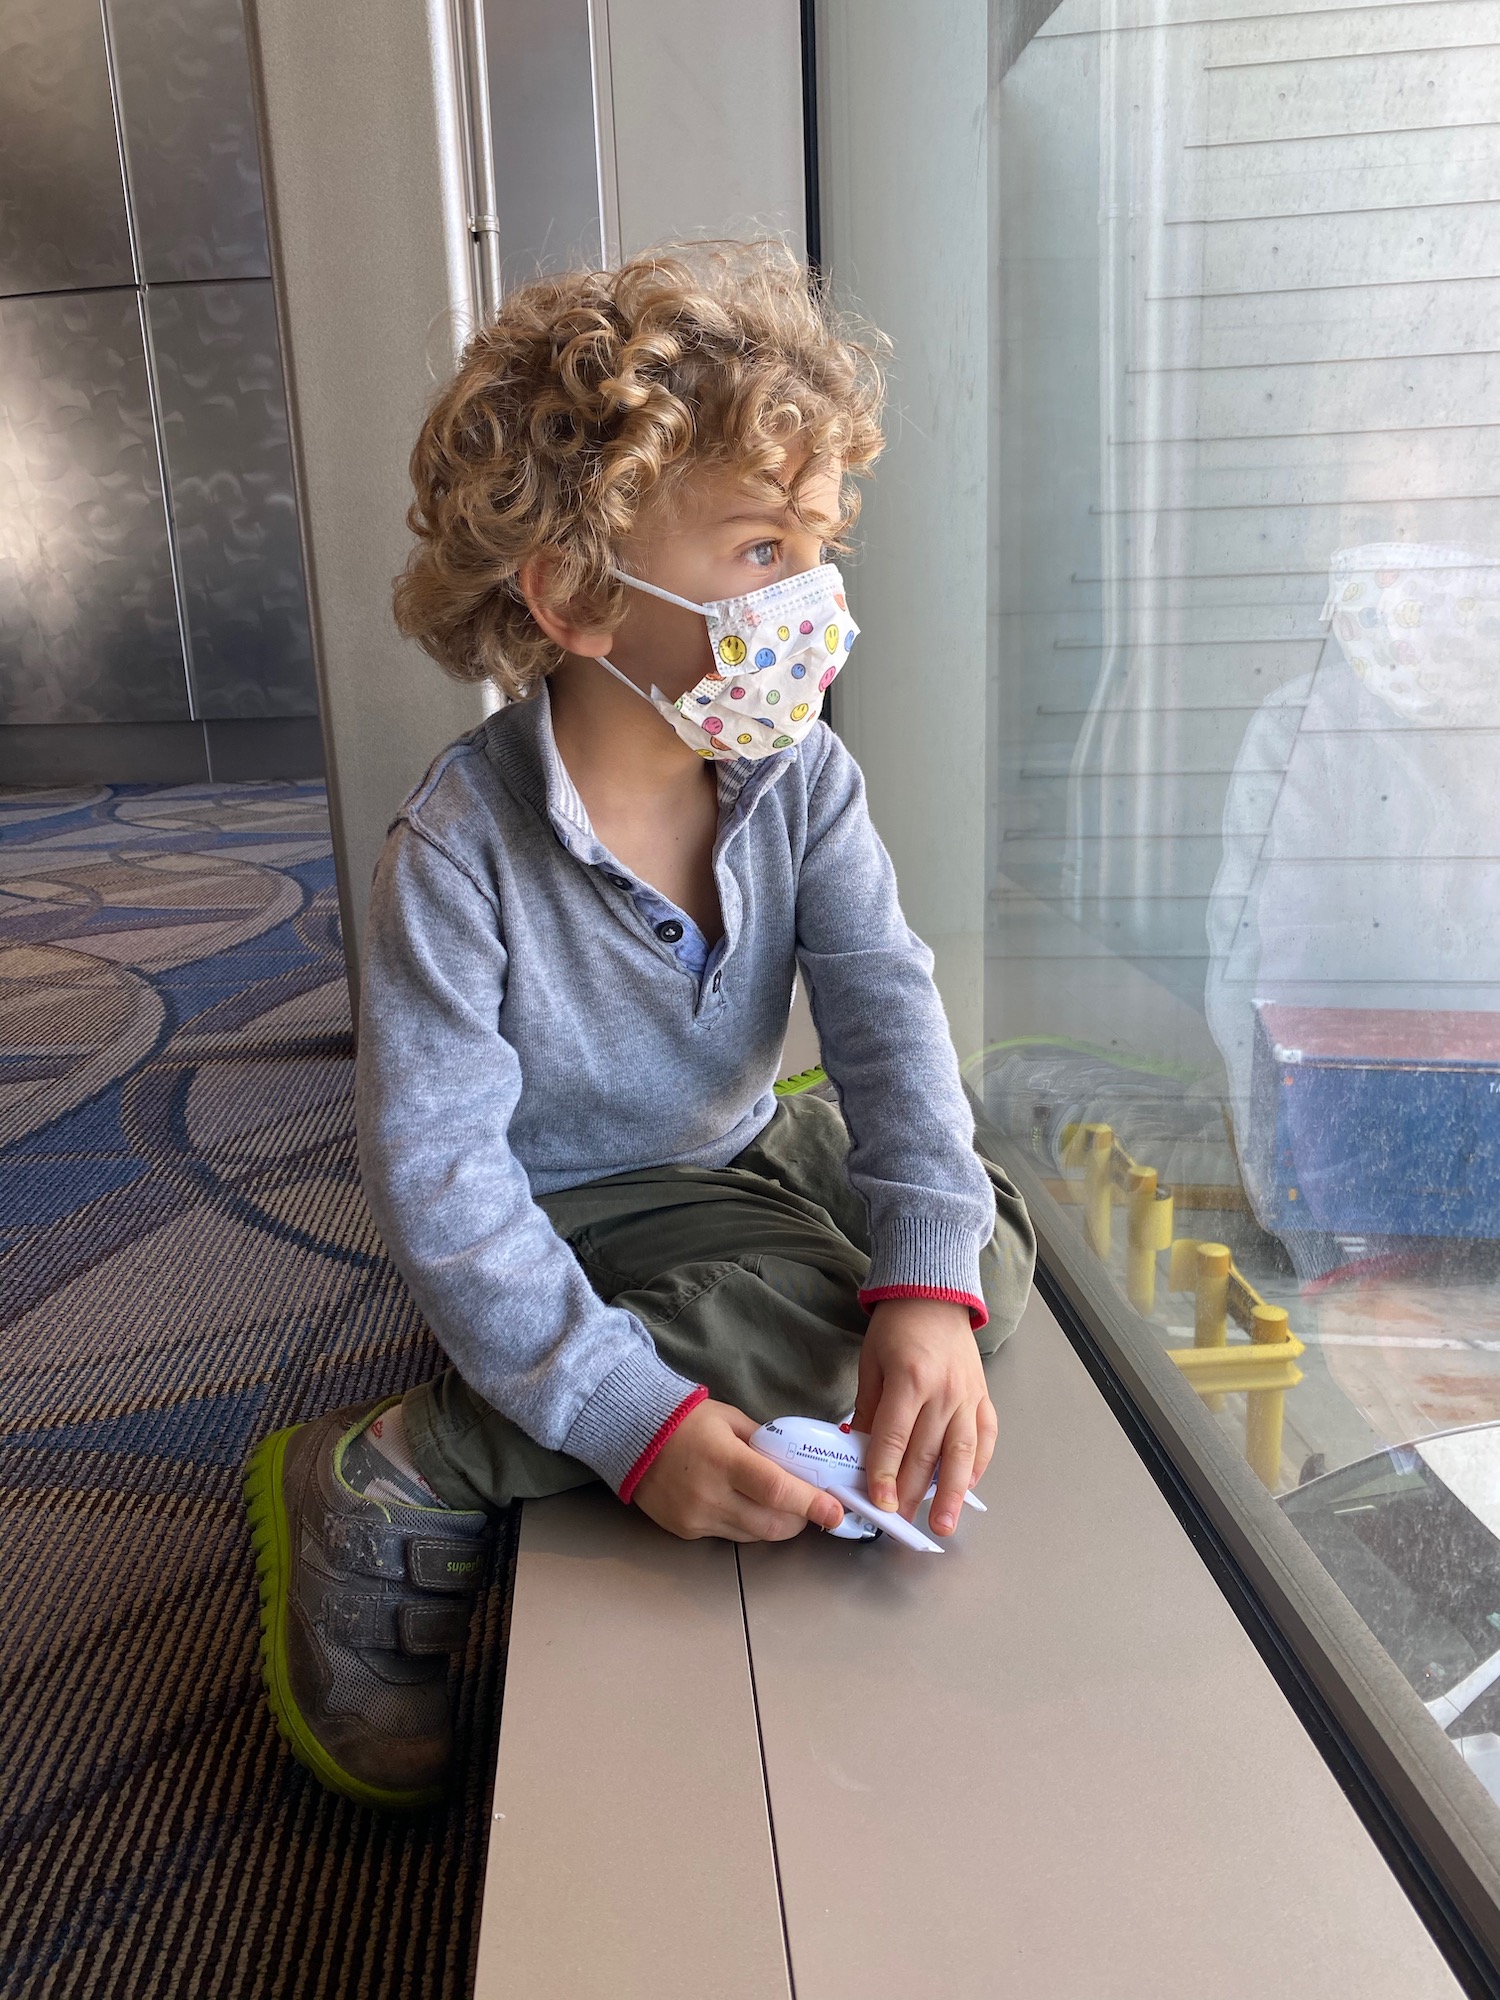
[(1250, 266)]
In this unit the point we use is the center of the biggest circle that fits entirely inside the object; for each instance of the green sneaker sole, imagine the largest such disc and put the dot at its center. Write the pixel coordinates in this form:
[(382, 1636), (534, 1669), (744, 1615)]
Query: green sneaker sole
[(266, 1504)]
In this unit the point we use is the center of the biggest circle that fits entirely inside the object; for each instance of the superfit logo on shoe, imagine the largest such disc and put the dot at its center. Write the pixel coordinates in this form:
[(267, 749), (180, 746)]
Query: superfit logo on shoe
[(463, 1568)]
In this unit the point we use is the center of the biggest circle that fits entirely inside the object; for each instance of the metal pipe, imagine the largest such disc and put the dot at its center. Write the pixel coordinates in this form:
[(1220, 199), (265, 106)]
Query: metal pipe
[(484, 223)]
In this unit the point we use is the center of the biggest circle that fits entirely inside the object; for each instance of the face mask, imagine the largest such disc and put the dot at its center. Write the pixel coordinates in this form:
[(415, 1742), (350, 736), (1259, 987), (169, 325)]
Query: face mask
[(776, 650), (1419, 623)]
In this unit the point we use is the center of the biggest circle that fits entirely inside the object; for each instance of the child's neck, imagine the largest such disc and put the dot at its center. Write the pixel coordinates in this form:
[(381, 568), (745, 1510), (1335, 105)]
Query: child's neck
[(615, 744), (653, 803)]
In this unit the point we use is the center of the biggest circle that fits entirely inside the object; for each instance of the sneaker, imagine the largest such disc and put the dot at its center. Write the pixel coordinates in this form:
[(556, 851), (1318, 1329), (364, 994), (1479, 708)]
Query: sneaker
[(361, 1602)]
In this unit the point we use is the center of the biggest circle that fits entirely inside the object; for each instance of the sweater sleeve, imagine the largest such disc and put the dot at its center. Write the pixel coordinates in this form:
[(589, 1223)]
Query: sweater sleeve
[(436, 1086), (887, 1048)]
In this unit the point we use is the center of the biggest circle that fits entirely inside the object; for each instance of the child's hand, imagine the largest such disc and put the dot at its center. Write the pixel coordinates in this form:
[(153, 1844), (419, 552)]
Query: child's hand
[(707, 1480), (922, 1397)]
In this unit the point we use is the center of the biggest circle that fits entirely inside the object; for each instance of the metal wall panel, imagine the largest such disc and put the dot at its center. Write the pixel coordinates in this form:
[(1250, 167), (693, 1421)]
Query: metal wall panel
[(706, 103), (182, 73), (62, 200), (542, 111), (229, 472), (88, 612)]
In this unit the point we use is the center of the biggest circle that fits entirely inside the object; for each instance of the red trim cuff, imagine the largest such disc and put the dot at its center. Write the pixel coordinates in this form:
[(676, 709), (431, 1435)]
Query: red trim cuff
[(638, 1471), (979, 1312)]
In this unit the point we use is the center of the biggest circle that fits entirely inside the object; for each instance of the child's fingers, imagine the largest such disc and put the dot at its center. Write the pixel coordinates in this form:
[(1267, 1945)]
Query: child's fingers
[(989, 1430), (744, 1522), (765, 1484), (923, 1450), (867, 1397), (960, 1447), (890, 1429)]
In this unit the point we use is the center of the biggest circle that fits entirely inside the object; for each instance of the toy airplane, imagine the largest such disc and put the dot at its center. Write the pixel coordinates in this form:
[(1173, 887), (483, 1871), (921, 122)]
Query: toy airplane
[(832, 1456)]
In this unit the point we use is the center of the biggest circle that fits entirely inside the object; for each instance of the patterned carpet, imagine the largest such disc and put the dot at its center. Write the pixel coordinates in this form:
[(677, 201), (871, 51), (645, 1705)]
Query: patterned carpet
[(185, 1264)]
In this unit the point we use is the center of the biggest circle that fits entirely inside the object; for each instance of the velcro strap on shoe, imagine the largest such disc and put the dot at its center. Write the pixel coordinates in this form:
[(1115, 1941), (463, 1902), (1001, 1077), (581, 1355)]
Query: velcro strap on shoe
[(439, 1562), (349, 1618), (433, 1628), (373, 1548)]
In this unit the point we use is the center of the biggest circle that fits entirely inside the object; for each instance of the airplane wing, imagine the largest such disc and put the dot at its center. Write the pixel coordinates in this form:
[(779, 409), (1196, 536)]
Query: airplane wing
[(970, 1499), (895, 1525)]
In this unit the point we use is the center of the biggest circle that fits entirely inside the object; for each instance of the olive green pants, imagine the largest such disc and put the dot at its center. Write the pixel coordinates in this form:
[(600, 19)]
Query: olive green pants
[(747, 1279)]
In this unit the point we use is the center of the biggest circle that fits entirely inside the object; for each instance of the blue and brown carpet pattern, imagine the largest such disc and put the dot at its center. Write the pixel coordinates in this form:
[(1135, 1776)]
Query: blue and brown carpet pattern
[(185, 1264)]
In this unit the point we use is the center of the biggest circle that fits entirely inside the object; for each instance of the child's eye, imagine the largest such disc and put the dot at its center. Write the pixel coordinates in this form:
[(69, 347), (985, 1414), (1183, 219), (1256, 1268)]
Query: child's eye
[(763, 555)]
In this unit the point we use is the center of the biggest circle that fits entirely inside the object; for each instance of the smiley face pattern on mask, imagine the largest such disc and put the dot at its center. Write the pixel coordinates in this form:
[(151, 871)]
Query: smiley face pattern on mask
[(1419, 624), (776, 653)]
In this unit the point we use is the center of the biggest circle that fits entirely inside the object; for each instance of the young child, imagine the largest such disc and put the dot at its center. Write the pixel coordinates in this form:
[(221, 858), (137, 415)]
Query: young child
[(579, 964)]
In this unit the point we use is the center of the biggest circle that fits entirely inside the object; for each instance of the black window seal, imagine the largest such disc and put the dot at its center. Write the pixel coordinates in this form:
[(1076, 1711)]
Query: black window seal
[(812, 191)]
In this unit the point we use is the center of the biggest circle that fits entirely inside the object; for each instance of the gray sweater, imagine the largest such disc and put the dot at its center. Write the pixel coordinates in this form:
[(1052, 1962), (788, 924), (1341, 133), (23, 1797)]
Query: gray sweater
[(533, 1017)]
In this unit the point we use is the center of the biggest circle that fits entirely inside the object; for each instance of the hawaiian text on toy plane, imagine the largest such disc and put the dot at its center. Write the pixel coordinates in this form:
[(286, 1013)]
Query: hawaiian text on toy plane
[(832, 1456)]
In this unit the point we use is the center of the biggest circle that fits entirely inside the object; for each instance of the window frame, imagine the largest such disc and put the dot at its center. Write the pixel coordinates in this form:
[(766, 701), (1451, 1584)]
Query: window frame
[(1435, 1824)]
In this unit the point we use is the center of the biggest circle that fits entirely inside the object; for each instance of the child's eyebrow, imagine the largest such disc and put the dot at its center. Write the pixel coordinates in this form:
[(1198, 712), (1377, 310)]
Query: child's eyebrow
[(768, 516), (778, 515)]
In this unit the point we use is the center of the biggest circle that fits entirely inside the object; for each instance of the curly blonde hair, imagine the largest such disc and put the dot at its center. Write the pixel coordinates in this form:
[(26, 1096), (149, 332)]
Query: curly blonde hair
[(583, 404)]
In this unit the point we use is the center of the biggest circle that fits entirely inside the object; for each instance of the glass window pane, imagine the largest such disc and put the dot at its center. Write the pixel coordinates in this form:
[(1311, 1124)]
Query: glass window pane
[(1195, 412), (1242, 993)]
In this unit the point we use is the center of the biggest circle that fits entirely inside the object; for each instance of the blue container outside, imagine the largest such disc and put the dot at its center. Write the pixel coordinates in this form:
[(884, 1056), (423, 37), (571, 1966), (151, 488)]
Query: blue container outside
[(1372, 1122)]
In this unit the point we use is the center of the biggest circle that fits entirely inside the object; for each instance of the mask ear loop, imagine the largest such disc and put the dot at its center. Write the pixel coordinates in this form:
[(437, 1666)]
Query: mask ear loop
[(667, 597), (625, 681), (655, 590)]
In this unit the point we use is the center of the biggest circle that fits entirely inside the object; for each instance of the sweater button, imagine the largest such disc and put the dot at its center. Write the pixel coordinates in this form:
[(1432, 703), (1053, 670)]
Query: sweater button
[(718, 981), (670, 931), (620, 881)]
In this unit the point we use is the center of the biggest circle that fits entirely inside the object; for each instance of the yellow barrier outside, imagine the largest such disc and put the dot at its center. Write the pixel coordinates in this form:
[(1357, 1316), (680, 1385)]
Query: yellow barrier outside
[(1098, 1191), (1261, 1371), (1148, 1231)]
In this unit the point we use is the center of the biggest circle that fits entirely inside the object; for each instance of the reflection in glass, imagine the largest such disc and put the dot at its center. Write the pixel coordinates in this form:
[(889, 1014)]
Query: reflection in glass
[(1243, 963), (1354, 984), (1412, 1538)]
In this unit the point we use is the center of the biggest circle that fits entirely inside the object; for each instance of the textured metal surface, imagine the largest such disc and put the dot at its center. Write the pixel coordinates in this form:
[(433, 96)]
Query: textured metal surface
[(229, 468), (88, 617), (104, 753), (62, 201), (161, 753), (183, 77)]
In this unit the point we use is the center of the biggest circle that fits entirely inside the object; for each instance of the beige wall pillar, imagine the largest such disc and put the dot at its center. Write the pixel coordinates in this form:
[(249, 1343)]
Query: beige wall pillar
[(364, 184), (905, 238)]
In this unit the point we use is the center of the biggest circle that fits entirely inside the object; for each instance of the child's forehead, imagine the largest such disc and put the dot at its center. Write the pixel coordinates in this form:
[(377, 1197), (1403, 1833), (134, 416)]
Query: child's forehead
[(715, 497)]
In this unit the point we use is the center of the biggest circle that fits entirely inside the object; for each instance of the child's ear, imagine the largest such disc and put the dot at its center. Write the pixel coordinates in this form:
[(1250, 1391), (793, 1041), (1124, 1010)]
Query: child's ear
[(587, 640)]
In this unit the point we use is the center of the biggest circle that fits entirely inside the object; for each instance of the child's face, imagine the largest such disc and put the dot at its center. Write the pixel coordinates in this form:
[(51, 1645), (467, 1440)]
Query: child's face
[(719, 539)]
